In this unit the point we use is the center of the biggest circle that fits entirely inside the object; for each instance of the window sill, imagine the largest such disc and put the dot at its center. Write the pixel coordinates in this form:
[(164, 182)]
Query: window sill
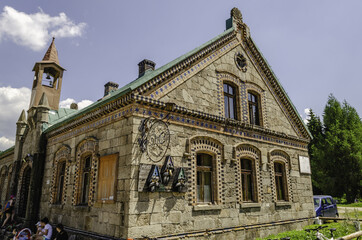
[(250, 205), (82, 208), (57, 205), (206, 207), (282, 204)]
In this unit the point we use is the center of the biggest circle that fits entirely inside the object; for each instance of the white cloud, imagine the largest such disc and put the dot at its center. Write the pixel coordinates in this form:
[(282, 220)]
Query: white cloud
[(35, 30), (82, 104), (12, 102), (306, 115), (5, 143)]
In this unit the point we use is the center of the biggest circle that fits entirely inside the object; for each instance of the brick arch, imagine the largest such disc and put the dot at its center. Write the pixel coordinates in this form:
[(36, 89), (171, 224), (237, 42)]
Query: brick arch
[(61, 155), (203, 144), (284, 158), (88, 146), (253, 153)]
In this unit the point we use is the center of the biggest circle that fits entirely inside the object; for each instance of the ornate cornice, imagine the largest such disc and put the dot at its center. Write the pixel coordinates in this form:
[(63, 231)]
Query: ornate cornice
[(276, 88)]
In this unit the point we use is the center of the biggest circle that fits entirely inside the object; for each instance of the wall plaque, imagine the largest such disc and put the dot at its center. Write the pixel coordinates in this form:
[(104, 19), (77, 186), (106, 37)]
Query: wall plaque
[(304, 165)]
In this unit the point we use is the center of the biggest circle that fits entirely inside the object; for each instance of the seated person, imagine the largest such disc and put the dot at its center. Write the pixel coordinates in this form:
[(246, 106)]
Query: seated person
[(44, 231), (61, 233)]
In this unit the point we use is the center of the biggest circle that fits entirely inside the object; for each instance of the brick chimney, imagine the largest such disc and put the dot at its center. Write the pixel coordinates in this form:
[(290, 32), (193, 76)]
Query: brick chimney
[(110, 87), (145, 66)]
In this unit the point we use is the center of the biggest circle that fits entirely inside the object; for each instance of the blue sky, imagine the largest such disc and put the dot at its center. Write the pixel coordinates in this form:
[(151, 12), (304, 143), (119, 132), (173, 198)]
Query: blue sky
[(312, 46)]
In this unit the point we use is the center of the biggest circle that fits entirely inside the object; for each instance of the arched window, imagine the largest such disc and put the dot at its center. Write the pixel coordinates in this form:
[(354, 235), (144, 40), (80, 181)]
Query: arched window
[(60, 176), (85, 172), (204, 178), (254, 111), (280, 172), (280, 181), (248, 180), (205, 161), (60, 182), (86, 169), (230, 109)]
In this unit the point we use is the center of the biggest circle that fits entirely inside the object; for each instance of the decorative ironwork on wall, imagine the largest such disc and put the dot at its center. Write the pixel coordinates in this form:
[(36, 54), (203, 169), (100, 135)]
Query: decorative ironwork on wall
[(154, 179), (151, 179), (154, 138), (167, 170)]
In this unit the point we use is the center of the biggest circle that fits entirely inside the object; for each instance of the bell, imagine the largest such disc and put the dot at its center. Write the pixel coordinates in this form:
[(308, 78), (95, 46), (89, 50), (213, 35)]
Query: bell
[(48, 76)]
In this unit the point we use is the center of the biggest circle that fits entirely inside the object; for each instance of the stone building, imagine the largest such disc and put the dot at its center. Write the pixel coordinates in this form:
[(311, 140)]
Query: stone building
[(206, 146)]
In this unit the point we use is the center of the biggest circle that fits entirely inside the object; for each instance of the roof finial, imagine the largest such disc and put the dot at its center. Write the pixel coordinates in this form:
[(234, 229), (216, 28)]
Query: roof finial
[(236, 15)]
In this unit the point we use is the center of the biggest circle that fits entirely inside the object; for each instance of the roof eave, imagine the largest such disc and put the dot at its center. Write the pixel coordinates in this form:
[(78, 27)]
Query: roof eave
[(281, 87)]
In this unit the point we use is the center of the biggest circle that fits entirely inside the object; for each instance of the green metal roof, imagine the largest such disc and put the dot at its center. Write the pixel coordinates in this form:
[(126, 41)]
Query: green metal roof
[(131, 86), (7, 151)]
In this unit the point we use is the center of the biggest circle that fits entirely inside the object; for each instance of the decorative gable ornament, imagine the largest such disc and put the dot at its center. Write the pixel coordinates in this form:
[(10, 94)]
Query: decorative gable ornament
[(240, 61), (236, 15)]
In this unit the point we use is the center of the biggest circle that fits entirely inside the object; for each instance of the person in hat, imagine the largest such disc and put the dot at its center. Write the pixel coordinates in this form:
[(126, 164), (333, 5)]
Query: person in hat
[(46, 230), (9, 210)]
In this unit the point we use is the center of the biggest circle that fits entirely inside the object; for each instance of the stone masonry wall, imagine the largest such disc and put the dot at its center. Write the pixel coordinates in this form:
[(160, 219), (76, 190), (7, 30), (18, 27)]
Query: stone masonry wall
[(103, 218), (163, 213), (5, 168), (204, 92)]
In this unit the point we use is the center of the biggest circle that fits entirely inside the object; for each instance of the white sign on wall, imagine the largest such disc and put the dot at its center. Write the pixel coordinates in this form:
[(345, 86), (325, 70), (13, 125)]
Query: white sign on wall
[(304, 165)]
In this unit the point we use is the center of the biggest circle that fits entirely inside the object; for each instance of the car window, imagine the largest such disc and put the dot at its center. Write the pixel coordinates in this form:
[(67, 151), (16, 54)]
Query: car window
[(329, 201), (316, 202)]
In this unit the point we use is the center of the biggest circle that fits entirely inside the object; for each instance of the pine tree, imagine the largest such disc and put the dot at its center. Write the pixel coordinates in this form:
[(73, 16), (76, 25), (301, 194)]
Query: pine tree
[(315, 150), (336, 150)]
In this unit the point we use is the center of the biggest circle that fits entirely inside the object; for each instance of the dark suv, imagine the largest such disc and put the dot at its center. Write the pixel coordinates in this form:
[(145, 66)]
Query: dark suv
[(325, 206)]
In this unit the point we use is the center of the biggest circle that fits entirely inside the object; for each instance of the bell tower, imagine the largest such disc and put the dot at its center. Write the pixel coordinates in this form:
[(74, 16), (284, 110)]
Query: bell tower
[(47, 79)]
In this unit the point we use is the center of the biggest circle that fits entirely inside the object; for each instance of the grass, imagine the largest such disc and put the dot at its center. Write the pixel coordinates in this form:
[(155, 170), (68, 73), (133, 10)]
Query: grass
[(359, 204), (352, 214), (343, 229)]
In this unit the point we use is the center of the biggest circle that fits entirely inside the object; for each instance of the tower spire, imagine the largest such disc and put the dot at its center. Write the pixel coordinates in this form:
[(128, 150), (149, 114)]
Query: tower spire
[(47, 79), (52, 54)]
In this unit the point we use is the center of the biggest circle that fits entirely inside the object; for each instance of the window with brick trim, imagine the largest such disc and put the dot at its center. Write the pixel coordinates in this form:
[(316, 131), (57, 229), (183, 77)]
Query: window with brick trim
[(254, 109), (199, 146), (60, 182), (85, 179), (107, 178), (204, 178), (248, 180), (86, 169), (2, 181), (279, 163), (230, 101), (280, 181), (8, 182)]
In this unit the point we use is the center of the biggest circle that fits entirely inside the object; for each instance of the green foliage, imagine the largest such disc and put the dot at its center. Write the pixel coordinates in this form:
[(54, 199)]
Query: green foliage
[(336, 150), (342, 229)]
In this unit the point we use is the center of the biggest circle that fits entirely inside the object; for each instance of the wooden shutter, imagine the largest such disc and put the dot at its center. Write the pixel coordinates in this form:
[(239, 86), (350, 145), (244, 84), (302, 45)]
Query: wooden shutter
[(107, 177)]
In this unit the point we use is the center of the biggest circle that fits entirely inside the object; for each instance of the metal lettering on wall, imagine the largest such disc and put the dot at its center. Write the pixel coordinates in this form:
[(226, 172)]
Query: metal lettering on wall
[(154, 139)]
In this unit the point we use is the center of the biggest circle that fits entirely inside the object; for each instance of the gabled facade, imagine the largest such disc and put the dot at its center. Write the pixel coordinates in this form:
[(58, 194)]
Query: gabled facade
[(208, 145)]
